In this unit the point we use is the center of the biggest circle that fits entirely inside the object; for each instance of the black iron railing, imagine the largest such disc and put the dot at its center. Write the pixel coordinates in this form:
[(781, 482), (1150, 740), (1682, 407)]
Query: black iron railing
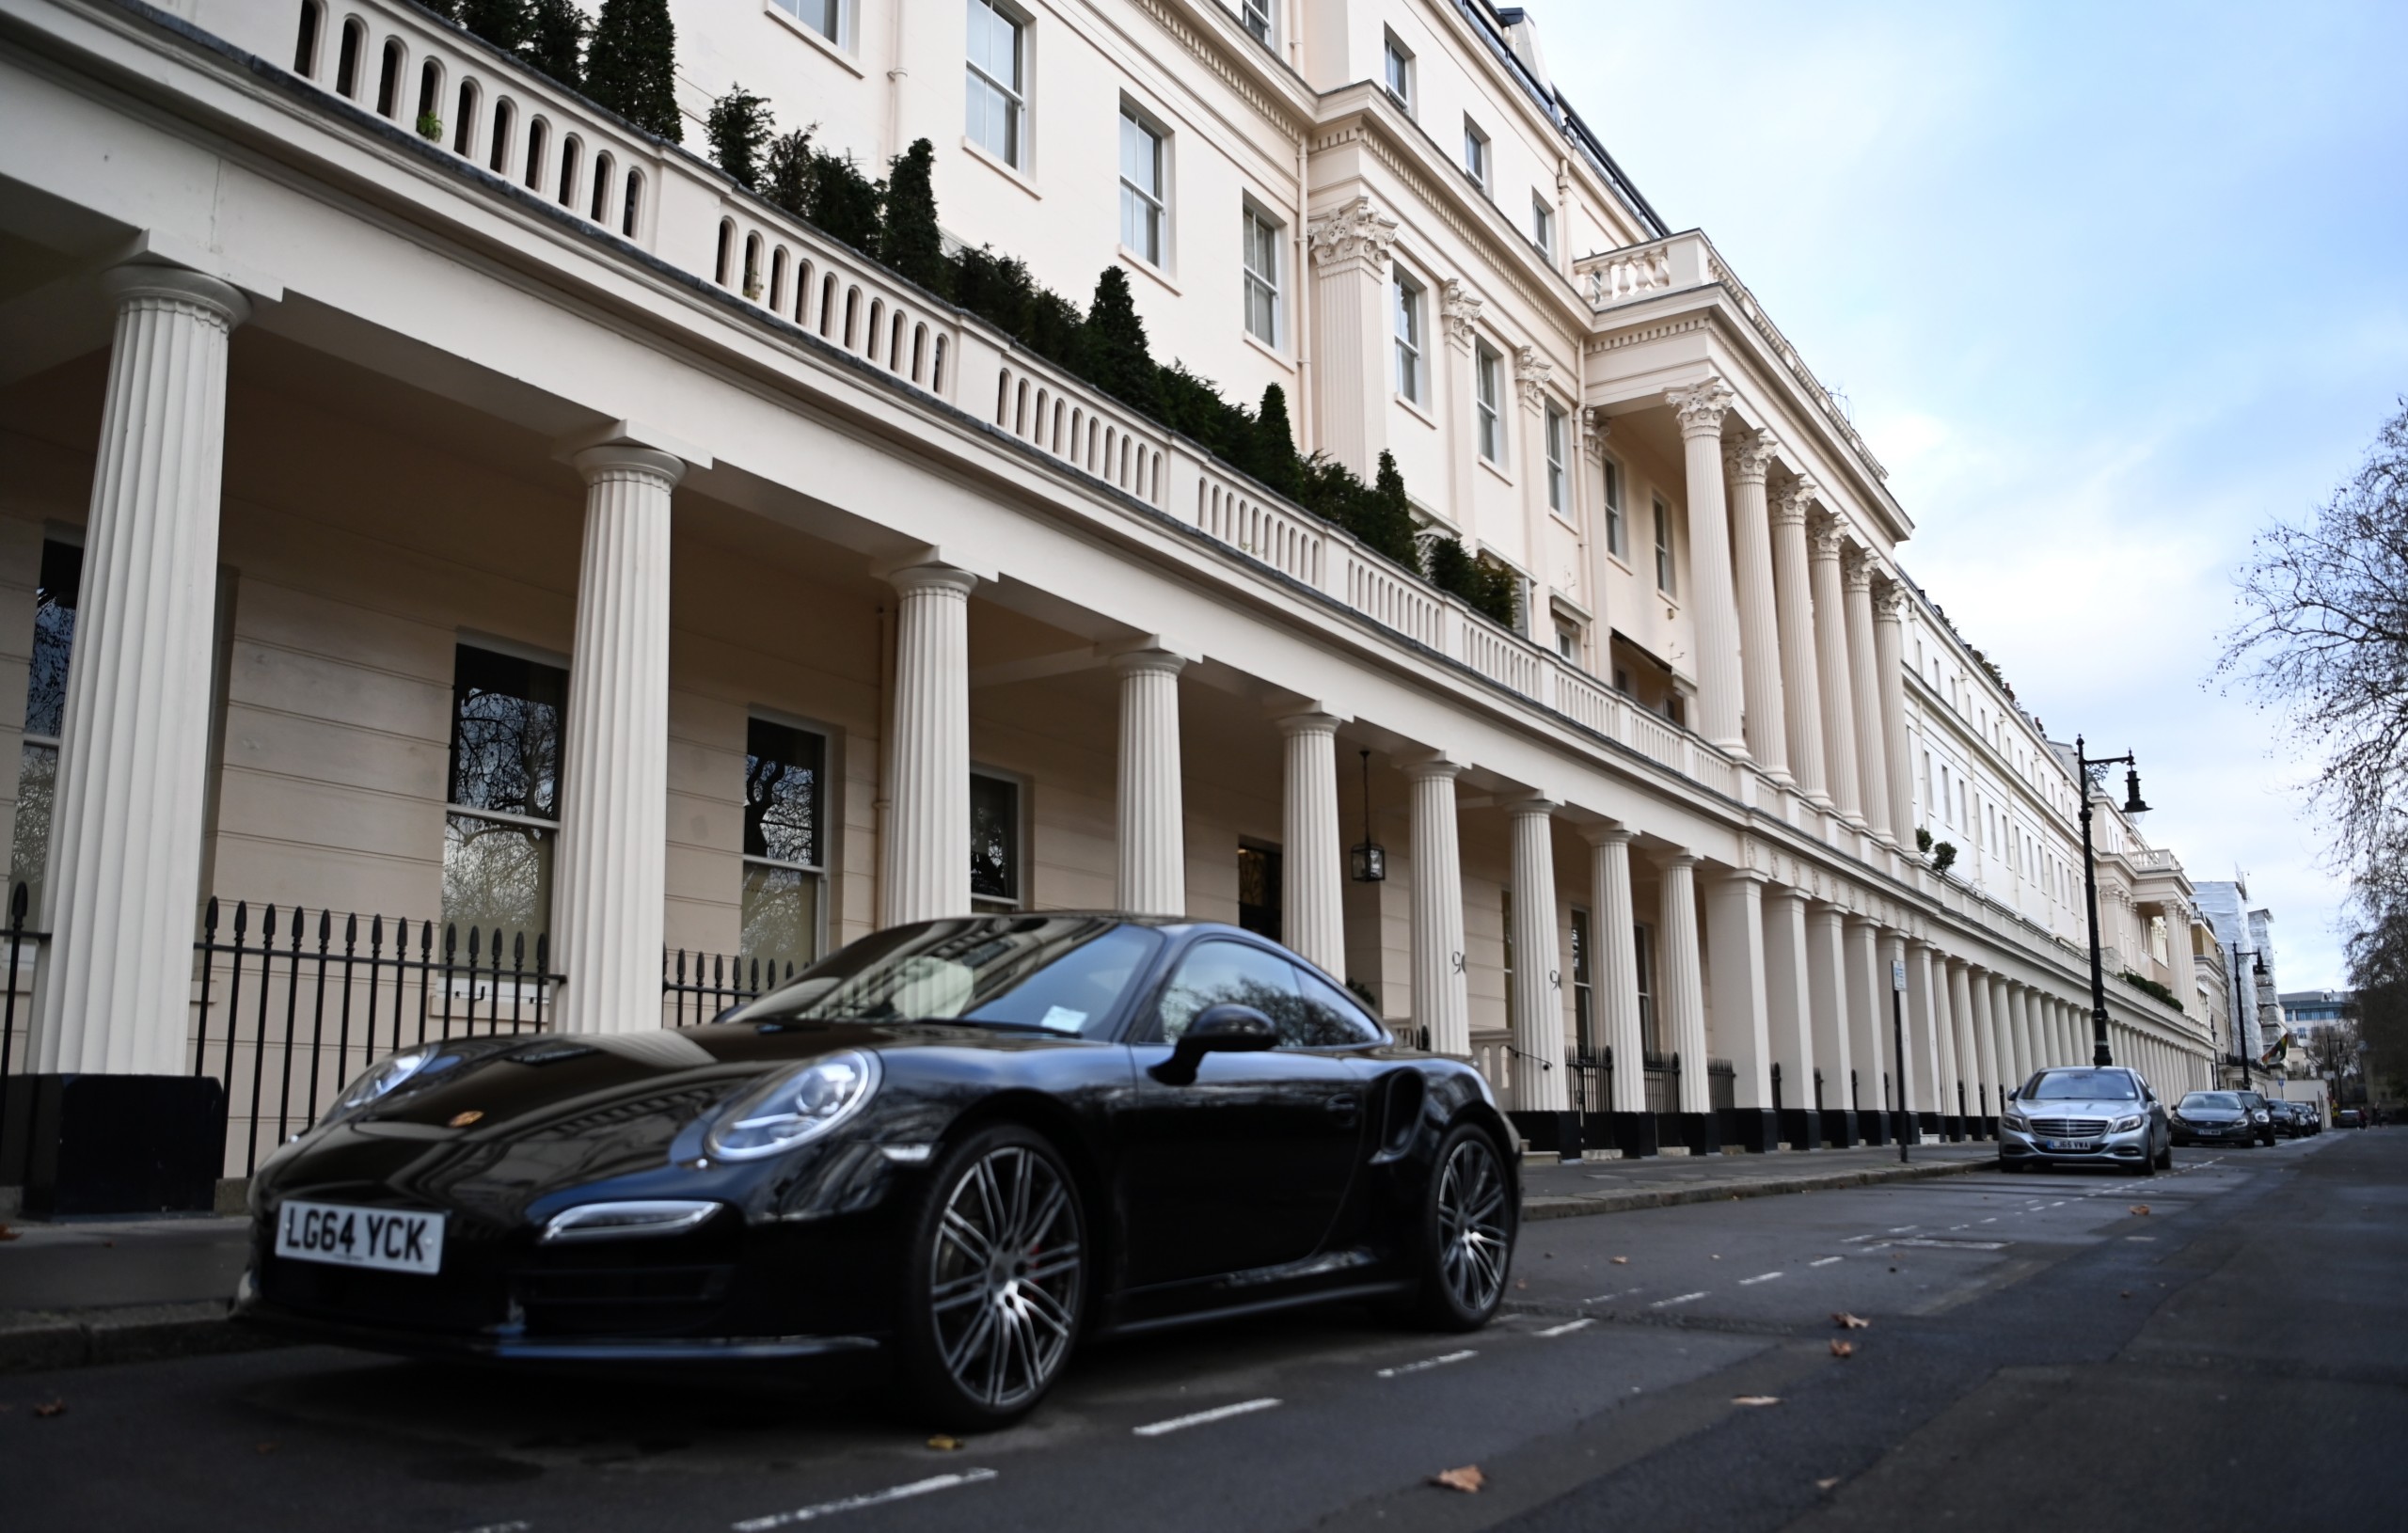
[(1722, 1085), (1663, 1072), (1593, 1081), (690, 999)]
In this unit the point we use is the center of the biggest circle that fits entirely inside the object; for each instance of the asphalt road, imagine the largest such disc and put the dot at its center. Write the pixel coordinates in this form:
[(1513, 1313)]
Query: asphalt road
[(2038, 1351)]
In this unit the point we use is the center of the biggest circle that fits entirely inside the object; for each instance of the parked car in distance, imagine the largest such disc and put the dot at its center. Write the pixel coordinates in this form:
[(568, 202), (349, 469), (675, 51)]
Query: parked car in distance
[(2348, 1117), (2086, 1116), (2279, 1116), (2310, 1115), (2212, 1117), (2261, 1113)]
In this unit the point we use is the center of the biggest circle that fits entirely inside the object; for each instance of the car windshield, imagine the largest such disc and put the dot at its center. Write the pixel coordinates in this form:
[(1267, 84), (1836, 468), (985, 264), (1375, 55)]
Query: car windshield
[(2080, 1086), (2224, 1101), (1063, 974)]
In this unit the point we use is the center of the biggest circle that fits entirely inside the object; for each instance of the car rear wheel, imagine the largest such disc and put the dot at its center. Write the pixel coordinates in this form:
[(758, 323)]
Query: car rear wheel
[(1467, 1237), (996, 1282)]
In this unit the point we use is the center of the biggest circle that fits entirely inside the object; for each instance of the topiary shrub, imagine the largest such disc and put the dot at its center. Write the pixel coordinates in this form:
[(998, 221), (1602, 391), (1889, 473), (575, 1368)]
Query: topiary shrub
[(631, 65)]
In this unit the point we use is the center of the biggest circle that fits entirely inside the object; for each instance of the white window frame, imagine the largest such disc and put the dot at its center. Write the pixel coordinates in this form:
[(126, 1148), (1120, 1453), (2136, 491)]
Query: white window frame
[(1477, 156), (987, 904), (1617, 531), (1410, 323), (1559, 473), (1014, 93), (1542, 226), (1150, 209), (1488, 403), (1260, 19), (838, 33), (818, 871), (1396, 72), (1667, 574), (1274, 234)]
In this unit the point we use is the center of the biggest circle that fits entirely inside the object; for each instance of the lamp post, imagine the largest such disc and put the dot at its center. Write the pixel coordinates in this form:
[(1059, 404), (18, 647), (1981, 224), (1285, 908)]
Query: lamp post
[(2098, 1052), (2245, 1041)]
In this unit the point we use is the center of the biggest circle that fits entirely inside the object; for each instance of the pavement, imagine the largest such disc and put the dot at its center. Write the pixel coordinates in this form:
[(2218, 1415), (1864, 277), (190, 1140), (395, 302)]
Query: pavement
[(122, 1290), (2163, 1351)]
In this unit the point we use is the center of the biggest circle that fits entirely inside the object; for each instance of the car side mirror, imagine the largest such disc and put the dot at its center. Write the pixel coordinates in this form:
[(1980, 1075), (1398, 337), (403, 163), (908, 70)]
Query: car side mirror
[(1227, 1028), (2015, 1096)]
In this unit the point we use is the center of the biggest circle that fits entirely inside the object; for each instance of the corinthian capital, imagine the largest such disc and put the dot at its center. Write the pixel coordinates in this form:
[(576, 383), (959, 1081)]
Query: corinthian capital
[(1530, 376), (1460, 308), (1744, 459), (1825, 536), (1856, 567), (1790, 507), (1595, 426), (1701, 409), (1889, 600), (1354, 231)]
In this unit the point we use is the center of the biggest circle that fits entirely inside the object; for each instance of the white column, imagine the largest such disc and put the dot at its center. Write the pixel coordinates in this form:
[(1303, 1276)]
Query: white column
[(1312, 864), (1744, 463), (1889, 663), (1460, 310), (1719, 696), (1869, 1010), (115, 989), (1996, 1062), (1864, 685), (1152, 821), (1898, 1028), (1827, 1002), (927, 871), (1352, 376), (1789, 1018), (1613, 934), (2014, 1059), (607, 906), (2031, 1049), (1736, 948), (1973, 1071), (1835, 684), (1936, 1043), (1441, 1006), (1800, 682), (1683, 982), (1538, 976)]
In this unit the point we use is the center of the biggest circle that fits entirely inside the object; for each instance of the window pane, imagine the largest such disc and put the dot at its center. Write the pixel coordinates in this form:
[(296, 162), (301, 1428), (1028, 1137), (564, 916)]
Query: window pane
[(781, 916), (1226, 973), (506, 715), (994, 838), (497, 874), (1034, 970), (62, 573), (784, 770), (1327, 1017), (1258, 892), (29, 851)]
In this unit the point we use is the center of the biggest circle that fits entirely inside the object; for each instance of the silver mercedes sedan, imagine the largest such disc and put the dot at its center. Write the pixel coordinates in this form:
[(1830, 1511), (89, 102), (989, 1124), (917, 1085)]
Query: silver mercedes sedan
[(2088, 1115)]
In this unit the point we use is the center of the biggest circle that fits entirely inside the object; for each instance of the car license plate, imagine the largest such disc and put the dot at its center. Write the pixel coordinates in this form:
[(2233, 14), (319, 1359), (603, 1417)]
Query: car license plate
[(388, 1239), (2073, 1144)]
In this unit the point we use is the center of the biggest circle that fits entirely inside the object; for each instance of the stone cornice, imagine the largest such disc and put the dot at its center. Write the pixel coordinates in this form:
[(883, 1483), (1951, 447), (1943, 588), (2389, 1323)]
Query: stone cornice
[(1286, 113)]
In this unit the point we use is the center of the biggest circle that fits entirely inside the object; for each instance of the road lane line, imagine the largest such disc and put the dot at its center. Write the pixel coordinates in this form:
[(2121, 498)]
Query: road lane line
[(1900, 1230), (1678, 1299), (1566, 1328), (854, 1503), (1826, 1262), (1622, 1294), (1760, 1277), (1219, 1412), (1424, 1365)]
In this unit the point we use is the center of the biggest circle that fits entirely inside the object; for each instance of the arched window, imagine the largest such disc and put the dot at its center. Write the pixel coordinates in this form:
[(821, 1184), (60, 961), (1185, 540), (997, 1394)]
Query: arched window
[(354, 41), (828, 304), (389, 80), (536, 131), (635, 203), (869, 334), (802, 293), (602, 169), (464, 126), (305, 51), (727, 251), (503, 113), (919, 349), (430, 96), (1002, 397), (569, 148), (894, 345), (852, 308), (753, 267), (936, 378), (777, 278)]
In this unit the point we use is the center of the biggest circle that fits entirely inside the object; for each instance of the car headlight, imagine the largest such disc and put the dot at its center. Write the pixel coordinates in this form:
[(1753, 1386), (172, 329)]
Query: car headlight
[(799, 1104), (2015, 1122), (2125, 1125), (380, 1080), (2257, 1117)]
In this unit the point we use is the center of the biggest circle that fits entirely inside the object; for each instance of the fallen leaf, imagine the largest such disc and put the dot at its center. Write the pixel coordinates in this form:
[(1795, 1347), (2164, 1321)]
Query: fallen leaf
[(1521, 1281), (1827, 1484), (1843, 1349), (1847, 1321), (943, 1444), (56, 1407), (7, 1234), (1621, 1261), (1467, 1479), (1756, 1400), (2140, 1208)]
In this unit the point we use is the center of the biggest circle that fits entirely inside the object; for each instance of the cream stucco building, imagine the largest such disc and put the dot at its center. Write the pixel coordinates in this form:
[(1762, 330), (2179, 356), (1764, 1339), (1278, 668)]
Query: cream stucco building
[(430, 498)]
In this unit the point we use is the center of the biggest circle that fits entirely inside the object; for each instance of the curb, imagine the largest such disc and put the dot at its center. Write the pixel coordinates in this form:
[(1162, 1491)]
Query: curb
[(1584, 1204), (33, 1340)]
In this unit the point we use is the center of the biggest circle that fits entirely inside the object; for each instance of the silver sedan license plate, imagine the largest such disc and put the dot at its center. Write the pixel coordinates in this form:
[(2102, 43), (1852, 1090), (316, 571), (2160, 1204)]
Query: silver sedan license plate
[(388, 1239), (2073, 1144)]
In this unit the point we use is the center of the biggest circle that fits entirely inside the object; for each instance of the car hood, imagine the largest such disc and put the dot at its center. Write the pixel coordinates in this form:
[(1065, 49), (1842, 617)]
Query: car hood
[(2055, 1108), (2211, 1114)]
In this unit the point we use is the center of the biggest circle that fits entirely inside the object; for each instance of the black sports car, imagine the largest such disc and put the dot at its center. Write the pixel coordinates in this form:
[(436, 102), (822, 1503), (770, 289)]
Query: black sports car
[(947, 1152)]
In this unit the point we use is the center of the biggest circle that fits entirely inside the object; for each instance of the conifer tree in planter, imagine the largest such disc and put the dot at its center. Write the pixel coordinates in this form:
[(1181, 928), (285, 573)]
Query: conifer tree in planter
[(1275, 452), (555, 40), (739, 128), (908, 238), (1118, 359), (502, 22), (631, 65)]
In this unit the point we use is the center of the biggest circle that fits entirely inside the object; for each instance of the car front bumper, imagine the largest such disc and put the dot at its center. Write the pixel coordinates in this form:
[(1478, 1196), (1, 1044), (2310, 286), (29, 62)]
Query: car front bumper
[(2130, 1147), (2218, 1134)]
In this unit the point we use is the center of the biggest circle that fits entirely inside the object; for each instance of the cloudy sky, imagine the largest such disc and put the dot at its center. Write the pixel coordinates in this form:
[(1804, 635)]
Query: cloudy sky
[(2109, 286)]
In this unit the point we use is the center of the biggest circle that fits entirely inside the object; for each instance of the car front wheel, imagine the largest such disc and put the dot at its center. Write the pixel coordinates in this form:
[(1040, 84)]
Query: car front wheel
[(1467, 1235), (995, 1283)]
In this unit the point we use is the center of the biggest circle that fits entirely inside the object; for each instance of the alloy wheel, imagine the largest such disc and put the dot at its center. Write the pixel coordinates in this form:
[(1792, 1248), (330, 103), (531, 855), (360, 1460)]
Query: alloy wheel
[(1005, 1277), (1472, 1243)]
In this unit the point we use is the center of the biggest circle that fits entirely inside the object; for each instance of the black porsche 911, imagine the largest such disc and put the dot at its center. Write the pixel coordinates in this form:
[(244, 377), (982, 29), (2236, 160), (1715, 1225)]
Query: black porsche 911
[(945, 1154)]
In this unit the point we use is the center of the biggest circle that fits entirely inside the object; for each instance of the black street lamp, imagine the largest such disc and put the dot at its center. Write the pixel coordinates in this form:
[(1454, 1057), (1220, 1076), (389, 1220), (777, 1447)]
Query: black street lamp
[(1368, 860), (2246, 1040), (2132, 805)]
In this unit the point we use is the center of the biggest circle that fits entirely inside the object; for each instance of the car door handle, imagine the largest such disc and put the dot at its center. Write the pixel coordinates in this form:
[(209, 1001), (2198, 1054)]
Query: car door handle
[(1343, 1107)]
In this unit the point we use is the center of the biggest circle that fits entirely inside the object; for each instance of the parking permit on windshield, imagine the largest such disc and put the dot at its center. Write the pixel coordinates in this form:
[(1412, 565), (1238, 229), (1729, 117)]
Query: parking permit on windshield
[(1062, 1019)]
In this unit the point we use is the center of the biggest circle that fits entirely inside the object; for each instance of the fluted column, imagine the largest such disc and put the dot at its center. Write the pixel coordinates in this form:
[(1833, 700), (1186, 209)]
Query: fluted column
[(1538, 976), (1615, 985), (1312, 864), (1354, 374), (2028, 1050), (926, 868), (1736, 948), (1152, 819), (1936, 1043), (1440, 1004), (1683, 980), (607, 905), (1834, 682), (1718, 687), (1460, 311), (1800, 683), (1997, 1064), (1789, 1018), (134, 753), (1864, 685), (1889, 663), (1828, 1003), (1965, 1032), (1766, 721), (1869, 1010)]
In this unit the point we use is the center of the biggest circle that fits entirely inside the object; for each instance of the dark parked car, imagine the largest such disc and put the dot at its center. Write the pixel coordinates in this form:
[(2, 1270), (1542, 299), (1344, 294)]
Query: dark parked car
[(2261, 1113), (948, 1152), (2086, 1115), (2348, 1117), (2213, 1117)]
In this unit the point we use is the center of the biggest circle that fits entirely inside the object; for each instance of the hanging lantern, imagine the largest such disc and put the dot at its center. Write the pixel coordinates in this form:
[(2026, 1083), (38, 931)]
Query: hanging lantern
[(1369, 861)]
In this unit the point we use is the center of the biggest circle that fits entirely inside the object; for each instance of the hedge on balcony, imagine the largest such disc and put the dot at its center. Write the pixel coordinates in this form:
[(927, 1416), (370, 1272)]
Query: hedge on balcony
[(2149, 987)]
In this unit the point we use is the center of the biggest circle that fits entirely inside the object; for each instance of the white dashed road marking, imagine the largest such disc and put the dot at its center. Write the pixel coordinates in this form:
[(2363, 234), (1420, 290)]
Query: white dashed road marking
[(1602, 1298), (1219, 1412), (1678, 1299), (854, 1503), (1826, 1262), (1566, 1328), (1423, 1365), (1760, 1277)]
